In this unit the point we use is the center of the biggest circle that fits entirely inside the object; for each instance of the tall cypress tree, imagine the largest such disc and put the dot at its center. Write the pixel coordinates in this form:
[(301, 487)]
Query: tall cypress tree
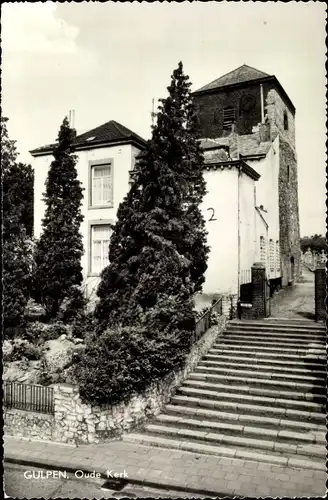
[(158, 246), (17, 196), (58, 270)]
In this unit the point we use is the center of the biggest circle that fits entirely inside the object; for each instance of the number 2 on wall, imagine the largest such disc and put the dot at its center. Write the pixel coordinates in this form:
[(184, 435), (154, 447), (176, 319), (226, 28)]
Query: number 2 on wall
[(212, 216)]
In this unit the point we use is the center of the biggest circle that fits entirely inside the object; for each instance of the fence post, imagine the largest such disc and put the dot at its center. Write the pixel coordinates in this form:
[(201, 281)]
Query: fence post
[(320, 292), (258, 291)]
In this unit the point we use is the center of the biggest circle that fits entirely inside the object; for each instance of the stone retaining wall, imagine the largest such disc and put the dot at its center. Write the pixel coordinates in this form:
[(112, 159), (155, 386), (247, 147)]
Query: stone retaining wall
[(28, 424), (74, 422)]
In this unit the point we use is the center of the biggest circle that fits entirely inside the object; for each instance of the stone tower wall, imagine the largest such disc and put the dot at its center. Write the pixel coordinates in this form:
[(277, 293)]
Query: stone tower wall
[(289, 214)]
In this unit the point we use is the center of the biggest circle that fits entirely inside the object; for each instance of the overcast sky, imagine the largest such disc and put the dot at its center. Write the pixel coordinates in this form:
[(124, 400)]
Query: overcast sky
[(108, 60)]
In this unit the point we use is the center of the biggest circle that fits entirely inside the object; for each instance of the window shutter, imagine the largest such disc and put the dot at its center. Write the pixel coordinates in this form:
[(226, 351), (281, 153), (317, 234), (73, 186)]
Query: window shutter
[(229, 117)]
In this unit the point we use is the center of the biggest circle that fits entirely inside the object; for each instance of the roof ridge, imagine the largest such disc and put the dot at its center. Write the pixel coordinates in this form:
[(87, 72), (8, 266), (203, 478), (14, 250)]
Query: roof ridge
[(109, 131), (121, 128), (242, 74), (225, 74), (252, 67)]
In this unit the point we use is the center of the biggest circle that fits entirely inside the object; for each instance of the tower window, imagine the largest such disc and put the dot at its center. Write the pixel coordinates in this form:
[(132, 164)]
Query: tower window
[(285, 121), (229, 117), (288, 173)]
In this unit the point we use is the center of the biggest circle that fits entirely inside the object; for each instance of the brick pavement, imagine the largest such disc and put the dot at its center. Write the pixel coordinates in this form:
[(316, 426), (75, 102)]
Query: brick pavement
[(172, 469)]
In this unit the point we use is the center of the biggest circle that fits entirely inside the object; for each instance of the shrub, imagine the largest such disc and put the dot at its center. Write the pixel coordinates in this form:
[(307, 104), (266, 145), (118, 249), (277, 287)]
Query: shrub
[(12, 332), (202, 311), (83, 326), (214, 318), (21, 349), (38, 332), (73, 308), (123, 361), (54, 330), (7, 349), (34, 312), (44, 376)]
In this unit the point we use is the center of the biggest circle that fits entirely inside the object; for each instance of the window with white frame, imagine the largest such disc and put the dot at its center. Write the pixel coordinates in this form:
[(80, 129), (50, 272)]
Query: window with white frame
[(100, 236), (102, 186), (278, 256), (271, 250)]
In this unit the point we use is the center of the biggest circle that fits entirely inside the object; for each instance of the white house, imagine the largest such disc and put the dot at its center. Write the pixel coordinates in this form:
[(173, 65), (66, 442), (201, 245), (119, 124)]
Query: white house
[(251, 205), (106, 155), (242, 222), (241, 211)]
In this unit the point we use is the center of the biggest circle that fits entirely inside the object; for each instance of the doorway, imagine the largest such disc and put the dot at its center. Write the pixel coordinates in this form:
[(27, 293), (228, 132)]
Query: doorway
[(292, 271)]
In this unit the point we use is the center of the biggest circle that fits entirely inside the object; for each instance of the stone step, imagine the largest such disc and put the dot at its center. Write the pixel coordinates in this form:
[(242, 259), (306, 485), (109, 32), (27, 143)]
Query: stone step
[(244, 419), (268, 375), (275, 333), (300, 364), (252, 431), (277, 347), (252, 399), (269, 325), (285, 441), (256, 391), (250, 337), (256, 354), (224, 451), (286, 321), (255, 409), (271, 384), (320, 374), (220, 439), (260, 350)]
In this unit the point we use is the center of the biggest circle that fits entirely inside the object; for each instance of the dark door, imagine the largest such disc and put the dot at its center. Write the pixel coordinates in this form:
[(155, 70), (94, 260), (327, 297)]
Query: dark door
[(292, 269), (267, 298)]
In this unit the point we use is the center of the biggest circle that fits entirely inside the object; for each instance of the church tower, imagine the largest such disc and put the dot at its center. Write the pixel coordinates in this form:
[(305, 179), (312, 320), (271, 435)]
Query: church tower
[(247, 109)]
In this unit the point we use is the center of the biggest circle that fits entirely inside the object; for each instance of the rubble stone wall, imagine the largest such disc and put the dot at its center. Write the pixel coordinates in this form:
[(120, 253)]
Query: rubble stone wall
[(75, 422)]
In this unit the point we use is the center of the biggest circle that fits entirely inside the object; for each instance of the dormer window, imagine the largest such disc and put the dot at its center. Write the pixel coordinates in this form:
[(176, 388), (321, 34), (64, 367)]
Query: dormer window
[(229, 117), (285, 121)]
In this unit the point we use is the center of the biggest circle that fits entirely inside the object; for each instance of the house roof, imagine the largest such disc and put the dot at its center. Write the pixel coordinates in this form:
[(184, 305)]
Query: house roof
[(228, 164), (240, 75), (248, 145), (109, 133)]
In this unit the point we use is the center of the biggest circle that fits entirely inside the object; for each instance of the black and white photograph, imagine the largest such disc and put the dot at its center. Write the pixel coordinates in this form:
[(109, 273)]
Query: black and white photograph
[(164, 249)]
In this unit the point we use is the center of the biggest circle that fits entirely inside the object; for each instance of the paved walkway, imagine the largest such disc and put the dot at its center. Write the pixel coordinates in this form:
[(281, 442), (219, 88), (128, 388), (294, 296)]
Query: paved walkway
[(171, 469), (296, 302)]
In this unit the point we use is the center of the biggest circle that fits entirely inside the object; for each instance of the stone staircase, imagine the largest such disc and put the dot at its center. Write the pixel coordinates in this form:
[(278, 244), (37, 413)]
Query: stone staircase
[(258, 394)]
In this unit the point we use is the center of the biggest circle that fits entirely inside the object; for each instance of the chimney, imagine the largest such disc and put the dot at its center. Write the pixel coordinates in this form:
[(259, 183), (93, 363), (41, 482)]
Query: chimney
[(71, 118), (264, 132)]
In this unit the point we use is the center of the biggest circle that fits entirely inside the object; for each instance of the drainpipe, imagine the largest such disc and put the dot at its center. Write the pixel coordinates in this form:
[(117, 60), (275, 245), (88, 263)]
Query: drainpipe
[(262, 103), (239, 176)]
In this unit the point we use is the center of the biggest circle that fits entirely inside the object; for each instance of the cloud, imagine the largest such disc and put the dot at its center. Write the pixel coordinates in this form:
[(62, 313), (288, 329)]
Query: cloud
[(33, 28)]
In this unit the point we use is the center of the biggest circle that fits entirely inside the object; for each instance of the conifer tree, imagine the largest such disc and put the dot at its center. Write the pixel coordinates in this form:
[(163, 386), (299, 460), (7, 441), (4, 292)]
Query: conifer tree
[(17, 197), (158, 246), (58, 270)]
